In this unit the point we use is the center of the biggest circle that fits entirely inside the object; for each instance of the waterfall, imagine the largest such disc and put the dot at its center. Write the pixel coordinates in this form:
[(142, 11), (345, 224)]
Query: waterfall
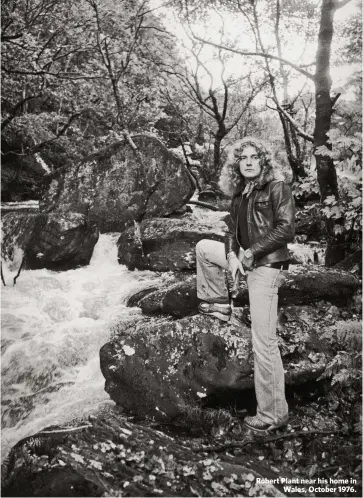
[(53, 325)]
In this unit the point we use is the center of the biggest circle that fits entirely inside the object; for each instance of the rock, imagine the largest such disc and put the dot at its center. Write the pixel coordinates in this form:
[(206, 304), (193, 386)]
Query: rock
[(208, 196), (111, 187), (168, 243), (151, 304), (21, 175), (111, 456), (136, 298), (307, 284), (54, 241), (179, 299), (162, 367), (352, 263), (303, 254), (16, 231), (169, 364), (304, 285)]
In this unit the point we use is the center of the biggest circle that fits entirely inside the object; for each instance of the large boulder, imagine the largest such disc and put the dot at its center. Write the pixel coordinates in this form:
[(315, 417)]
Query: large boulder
[(55, 241), (304, 284), (168, 243), (162, 368), (109, 455), (114, 185)]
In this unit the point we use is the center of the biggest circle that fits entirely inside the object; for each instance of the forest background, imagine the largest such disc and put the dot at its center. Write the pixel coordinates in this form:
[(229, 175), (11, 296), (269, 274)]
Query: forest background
[(79, 76)]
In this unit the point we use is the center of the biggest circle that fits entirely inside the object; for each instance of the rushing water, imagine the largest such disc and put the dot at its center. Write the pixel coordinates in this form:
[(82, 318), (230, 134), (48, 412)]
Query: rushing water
[(53, 325)]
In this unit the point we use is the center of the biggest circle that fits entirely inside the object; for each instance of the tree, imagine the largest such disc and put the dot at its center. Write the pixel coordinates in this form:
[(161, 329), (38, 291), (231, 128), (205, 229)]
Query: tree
[(215, 95), (324, 108)]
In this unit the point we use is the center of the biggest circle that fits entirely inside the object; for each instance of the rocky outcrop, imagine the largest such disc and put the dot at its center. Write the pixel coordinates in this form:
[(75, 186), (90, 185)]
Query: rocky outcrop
[(303, 285), (303, 254), (178, 299), (115, 185), (54, 241), (109, 455), (168, 243), (159, 368)]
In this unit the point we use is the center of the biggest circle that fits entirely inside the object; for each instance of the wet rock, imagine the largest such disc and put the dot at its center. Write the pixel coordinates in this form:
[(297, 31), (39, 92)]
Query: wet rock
[(136, 298), (54, 241), (158, 368), (303, 285), (115, 185), (111, 456), (168, 243)]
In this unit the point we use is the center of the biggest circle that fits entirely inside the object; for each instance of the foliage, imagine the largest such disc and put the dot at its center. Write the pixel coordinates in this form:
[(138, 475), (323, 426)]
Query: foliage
[(59, 58), (346, 210), (75, 75), (345, 369)]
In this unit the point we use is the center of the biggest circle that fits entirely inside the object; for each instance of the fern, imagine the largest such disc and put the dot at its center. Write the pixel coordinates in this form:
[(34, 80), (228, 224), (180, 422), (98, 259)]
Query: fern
[(345, 368), (349, 335), (345, 376), (346, 334)]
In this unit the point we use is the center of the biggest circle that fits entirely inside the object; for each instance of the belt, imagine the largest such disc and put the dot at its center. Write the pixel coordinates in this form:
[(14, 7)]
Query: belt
[(279, 265)]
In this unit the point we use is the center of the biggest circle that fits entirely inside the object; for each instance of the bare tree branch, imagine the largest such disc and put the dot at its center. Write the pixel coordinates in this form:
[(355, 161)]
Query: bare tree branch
[(339, 5), (298, 129), (258, 54), (15, 109)]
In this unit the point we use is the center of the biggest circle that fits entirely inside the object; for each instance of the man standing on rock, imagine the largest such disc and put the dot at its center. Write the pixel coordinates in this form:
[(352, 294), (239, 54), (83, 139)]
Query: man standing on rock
[(260, 224)]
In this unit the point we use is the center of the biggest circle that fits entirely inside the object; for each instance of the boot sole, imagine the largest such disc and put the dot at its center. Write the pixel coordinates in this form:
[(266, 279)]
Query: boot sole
[(267, 430), (224, 318)]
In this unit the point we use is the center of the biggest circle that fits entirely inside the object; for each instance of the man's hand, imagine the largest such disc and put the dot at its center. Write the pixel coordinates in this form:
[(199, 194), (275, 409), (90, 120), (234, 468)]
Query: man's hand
[(234, 266), (247, 260)]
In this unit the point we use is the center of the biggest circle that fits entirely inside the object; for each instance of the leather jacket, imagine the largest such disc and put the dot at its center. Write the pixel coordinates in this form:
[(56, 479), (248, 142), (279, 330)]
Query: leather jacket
[(270, 219)]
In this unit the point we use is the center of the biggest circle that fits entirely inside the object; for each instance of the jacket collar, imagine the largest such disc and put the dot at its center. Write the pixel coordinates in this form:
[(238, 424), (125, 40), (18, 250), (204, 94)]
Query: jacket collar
[(266, 176)]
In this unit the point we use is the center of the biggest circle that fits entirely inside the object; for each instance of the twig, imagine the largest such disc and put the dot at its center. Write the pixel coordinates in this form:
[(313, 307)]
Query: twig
[(218, 449), (330, 469)]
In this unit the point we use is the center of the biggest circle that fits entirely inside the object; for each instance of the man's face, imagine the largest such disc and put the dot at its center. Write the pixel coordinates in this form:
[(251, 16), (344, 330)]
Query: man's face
[(250, 164)]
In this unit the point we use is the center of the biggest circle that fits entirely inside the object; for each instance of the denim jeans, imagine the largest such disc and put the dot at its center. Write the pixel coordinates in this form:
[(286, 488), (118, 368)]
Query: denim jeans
[(263, 284)]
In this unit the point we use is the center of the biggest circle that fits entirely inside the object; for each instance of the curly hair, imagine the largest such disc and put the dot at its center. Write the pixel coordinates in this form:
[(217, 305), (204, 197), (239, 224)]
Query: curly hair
[(231, 181)]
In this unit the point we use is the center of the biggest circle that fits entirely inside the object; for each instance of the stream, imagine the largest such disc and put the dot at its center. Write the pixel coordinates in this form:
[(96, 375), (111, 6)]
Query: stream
[(53, 325)]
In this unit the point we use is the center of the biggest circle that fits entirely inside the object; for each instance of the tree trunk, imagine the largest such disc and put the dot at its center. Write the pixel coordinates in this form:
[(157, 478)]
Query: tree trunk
[(218, 137), (326, 173)]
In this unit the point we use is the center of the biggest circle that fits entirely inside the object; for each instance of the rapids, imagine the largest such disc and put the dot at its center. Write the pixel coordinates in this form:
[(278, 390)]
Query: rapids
[(53, 325)]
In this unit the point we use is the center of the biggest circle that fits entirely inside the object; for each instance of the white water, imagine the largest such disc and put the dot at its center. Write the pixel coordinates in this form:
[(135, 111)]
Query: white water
[(53, 325)]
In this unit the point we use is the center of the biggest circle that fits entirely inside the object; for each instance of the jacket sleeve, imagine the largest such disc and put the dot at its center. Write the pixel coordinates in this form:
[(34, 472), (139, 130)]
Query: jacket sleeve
[(284, 221), (230, 241)]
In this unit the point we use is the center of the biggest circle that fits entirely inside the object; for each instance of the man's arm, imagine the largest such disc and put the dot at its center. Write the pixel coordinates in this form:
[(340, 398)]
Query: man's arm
[(284, 220)]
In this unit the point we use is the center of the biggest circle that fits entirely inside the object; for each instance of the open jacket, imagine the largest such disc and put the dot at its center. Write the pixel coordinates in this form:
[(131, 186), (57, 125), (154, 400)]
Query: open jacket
[(270, 220)]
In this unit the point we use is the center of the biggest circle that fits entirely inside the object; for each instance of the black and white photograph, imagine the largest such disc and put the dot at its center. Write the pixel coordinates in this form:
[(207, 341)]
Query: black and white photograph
[(181, 248)]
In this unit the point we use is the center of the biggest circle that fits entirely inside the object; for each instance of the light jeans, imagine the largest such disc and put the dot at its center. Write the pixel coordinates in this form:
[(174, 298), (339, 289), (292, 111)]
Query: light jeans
[(263, 284)]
